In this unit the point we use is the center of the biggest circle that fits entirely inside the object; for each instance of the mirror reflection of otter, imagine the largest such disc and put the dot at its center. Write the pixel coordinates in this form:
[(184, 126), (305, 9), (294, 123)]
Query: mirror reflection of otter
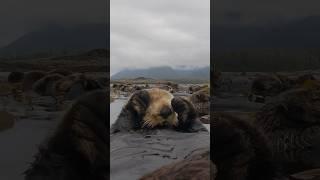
[(154, 108), (79, 147)]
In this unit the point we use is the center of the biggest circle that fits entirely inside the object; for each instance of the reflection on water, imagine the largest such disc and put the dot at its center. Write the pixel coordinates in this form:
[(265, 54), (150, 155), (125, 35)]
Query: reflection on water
[(115, 108)]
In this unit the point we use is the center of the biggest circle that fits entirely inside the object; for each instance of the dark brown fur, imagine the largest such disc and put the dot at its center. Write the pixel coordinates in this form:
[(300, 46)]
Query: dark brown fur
[(269, 85), (79, 148), (15, 77), (291, 122), (44, 85), (133, 112), (75, 85), (62, 72), (240, 151), (30, 78), (201, 101)]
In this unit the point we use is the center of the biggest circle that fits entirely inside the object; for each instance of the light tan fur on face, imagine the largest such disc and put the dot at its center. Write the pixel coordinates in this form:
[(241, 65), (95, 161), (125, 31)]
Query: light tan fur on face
[(158, 99)]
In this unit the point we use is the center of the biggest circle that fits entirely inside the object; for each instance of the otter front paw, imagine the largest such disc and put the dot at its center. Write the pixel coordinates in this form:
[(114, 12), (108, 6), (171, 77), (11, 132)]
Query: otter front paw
[(139, 102), (186, 113)]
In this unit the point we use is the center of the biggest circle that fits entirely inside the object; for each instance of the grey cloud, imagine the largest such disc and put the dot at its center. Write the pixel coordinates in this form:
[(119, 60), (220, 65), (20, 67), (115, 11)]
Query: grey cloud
[(148, 33)]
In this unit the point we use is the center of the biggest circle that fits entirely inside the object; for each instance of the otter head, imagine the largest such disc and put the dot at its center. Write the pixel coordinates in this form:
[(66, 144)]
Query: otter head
[(292, 123), (153, 108)]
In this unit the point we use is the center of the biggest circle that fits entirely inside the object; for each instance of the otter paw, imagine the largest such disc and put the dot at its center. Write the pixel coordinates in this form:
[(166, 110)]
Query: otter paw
[(186, 113), (139, 102)]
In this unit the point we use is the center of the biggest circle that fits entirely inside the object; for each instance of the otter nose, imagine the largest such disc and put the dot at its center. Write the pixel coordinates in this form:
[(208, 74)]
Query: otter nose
[(165, 112)]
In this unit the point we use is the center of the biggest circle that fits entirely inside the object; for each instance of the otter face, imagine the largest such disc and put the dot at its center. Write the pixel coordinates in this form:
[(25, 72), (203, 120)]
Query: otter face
[(155, 108), (159, 111)]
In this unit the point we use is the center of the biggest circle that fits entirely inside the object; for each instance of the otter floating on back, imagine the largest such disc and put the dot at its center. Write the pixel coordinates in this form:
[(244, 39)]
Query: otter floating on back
[(154, 129), (156, 108)]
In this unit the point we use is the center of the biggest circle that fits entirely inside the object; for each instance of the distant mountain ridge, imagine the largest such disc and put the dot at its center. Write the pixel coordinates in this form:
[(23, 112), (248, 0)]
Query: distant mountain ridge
[(164, 73), (58, 39), (298, 33)]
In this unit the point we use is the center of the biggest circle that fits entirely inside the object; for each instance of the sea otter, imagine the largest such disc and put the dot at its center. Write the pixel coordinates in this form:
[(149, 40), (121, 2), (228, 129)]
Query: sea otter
[(240, 150), (154, 108), (154, 129), (291, 121), (79, 147), (30, 78), (74, 85), (44, 85), (15, 77)]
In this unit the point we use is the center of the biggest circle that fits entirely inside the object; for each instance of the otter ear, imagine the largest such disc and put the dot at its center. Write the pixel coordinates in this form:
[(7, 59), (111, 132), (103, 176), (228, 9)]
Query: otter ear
[(186, 113), (139, 101)]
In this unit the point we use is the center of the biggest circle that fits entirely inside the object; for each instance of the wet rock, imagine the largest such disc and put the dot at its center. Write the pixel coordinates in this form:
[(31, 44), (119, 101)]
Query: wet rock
[(15, 77), (205, 119), (196, 167), (135, 154), (313, 174), (62, 72)]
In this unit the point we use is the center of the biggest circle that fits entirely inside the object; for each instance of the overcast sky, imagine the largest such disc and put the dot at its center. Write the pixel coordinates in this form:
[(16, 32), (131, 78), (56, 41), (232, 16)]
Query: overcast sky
[(149, 33), (18, 17)]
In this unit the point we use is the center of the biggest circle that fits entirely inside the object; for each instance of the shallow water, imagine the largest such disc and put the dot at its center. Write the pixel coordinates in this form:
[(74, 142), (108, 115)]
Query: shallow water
[(19, 144), (115, 108)]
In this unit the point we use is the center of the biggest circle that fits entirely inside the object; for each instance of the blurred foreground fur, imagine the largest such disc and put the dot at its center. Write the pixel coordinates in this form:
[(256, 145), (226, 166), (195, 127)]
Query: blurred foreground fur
[(240, 151), (79, 147), (59, 84), (291, 122)]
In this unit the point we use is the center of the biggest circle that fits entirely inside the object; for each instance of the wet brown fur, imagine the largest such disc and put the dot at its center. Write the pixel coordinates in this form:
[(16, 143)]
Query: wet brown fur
[(78, 149), (144, 107), (240, 150), (291, 121), (30, 78), (43, 85)]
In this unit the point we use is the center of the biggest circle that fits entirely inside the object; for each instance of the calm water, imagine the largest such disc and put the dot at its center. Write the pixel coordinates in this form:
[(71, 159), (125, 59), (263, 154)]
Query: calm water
[(19, 144), (115, 108)]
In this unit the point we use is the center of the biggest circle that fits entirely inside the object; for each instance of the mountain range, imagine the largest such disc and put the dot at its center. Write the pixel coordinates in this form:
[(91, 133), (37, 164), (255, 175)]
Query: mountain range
[(164, 73), (58, 39)]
